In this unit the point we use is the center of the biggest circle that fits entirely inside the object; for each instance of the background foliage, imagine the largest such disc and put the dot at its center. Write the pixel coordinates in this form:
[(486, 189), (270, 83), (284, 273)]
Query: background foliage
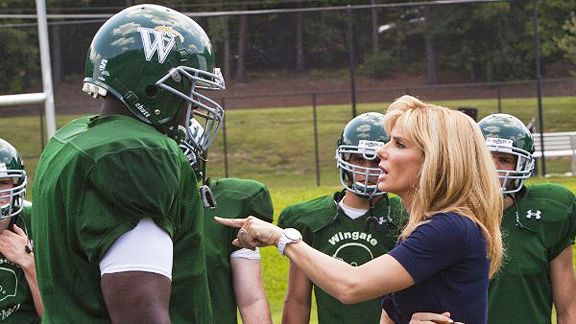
[(486, 42)]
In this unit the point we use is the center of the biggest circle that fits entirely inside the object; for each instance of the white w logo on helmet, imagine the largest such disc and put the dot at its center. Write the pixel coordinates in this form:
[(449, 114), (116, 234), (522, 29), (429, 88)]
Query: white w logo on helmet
[(162, 43)]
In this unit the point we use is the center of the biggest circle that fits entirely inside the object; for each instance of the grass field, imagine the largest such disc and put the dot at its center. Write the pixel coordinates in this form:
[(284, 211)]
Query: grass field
[(276, 147)]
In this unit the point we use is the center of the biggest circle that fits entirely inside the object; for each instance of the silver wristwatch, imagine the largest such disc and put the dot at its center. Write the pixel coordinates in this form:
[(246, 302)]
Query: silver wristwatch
[(291, 235)]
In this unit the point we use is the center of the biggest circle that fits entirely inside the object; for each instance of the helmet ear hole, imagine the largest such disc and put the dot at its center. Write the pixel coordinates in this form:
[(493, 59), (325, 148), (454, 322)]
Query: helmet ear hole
[(151, 91)]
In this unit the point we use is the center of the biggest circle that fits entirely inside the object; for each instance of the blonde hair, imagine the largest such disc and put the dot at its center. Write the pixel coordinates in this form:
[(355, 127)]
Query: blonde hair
[(458, 174)]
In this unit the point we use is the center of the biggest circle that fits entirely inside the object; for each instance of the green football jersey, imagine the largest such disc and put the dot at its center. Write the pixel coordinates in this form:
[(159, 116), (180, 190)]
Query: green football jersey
[(235, 198), (96, 179), (540, 226), (356, 241), (16, 302)]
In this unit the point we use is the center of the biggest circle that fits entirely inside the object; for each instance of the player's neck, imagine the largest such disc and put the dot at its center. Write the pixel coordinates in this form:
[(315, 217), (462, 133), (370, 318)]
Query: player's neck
[(508, 201), (355, 201), (111, 106)]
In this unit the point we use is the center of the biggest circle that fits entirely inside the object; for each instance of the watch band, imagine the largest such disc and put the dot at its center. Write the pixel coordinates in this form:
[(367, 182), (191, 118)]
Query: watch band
[(290, 236)]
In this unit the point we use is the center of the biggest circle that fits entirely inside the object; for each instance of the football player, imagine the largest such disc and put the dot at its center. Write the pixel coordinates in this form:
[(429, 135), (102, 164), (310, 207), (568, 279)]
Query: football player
[(118, 213), (538, 226), (20, 302), (235, 274), (355, 224)]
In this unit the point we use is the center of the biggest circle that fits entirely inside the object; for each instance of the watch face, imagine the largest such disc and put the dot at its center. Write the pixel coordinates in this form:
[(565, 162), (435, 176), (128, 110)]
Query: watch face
[(292, 234)]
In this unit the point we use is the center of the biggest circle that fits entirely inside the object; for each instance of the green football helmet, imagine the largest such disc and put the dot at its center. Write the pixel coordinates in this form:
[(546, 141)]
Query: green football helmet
[(11, 169), (362, 136), (156, 61), (507, 134)]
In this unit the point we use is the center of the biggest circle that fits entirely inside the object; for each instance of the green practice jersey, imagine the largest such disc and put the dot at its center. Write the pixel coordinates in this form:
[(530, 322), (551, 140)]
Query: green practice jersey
[(235, 198), (535, 230), (96, 179), (16, 303), (356, 241)]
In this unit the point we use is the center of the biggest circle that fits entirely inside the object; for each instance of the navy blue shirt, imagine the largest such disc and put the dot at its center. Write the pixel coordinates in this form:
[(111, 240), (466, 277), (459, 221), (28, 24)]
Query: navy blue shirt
[(447, 259)]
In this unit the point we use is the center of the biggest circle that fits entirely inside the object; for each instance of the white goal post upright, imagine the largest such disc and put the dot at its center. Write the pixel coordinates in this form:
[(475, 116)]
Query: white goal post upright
[(46, 68), (46, 97)]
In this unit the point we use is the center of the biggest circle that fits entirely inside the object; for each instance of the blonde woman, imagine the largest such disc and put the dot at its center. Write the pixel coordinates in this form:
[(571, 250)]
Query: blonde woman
[(438, 164)]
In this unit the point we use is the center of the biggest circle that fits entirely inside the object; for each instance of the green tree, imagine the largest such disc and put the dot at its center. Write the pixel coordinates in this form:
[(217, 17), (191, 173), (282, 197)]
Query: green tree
[(488, 41), (567, 43), (20, 58), (20, 65), (553, 15)]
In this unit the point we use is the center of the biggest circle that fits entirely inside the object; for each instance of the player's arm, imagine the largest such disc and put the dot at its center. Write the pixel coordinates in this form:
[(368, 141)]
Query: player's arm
[(298, 297), (136, 275), (563, 286), (136, 297), (32, 280), (248, 287)]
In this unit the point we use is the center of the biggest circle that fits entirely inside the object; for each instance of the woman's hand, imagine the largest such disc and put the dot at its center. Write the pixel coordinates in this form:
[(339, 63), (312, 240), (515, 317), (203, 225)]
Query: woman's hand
[(253, 232), (430, 318), (13, 247)]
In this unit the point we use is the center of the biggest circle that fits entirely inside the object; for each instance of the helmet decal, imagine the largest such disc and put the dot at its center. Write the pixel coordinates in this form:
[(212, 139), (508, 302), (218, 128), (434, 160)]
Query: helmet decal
[(368, 148), (504, 144), (164, 40)]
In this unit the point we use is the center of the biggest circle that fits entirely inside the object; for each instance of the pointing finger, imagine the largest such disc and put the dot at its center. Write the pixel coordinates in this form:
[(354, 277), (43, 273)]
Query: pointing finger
[(230, 222)]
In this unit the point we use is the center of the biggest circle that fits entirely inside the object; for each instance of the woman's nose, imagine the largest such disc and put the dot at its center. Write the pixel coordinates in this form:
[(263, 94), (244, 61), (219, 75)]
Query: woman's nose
[(381, 151)]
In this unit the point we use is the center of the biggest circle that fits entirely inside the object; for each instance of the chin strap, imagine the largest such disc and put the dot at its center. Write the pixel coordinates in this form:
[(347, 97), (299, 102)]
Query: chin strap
[(518, 222), (208, 198), (29, 247), (375, 221), (198, 164)]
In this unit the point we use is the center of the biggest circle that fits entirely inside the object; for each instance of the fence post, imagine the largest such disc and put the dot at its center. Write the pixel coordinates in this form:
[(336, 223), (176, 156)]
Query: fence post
[(225, 142), (316, 155), (573, 148), (538, 81), (499, 96), (41, 129), (351, 60)]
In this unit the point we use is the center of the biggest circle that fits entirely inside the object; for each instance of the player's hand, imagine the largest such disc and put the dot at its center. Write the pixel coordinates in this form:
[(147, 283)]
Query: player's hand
[(431, 318), (253, 232), (13, 247)]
